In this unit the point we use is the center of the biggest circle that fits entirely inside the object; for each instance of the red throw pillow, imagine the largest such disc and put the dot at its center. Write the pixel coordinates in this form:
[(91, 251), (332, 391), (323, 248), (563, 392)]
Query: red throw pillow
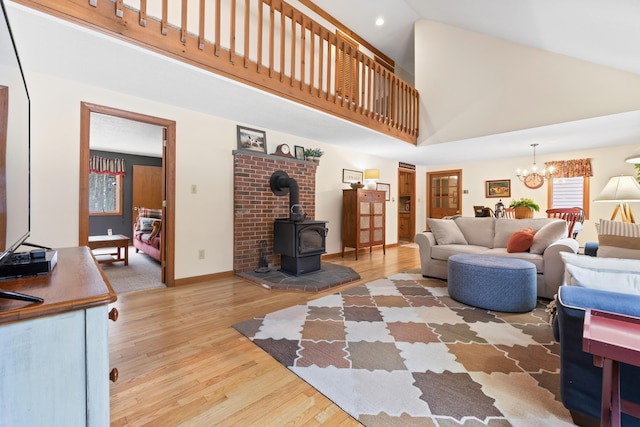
[(520, 241)]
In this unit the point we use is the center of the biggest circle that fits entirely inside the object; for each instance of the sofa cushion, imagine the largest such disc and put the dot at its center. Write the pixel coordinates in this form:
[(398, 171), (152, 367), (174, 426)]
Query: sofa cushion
[(609, 274), (549, 233), (477, 231), (535, 259), (443, 252), (446, 232), (619, 234), (521, 240)]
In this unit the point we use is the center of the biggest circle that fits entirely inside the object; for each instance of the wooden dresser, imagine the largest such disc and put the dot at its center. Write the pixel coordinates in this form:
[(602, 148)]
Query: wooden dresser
[(54, 356), (363, 219)]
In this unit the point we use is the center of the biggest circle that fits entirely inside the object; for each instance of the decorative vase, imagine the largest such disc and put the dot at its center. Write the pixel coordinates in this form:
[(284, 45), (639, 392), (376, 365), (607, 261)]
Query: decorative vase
[(356, 185), (523, 212)]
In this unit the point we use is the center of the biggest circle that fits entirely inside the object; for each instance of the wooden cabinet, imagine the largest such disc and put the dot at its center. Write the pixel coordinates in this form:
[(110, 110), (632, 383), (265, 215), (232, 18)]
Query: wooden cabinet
[(54, 356), (363, 219)]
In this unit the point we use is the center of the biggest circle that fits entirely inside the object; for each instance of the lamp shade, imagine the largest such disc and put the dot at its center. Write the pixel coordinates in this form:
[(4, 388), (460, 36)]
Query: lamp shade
[(623, 188), (372, 174)]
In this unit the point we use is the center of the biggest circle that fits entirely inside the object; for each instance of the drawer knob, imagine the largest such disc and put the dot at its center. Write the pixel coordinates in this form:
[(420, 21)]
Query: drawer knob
[(113, 375), (113, 314)]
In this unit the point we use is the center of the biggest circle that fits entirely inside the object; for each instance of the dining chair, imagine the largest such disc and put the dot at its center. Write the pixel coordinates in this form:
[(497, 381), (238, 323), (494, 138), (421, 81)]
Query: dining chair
[(571, 215)]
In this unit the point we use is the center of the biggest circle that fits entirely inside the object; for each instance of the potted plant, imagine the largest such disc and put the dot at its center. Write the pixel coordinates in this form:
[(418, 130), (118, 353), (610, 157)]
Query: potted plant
[(313, 154), (524, 207)]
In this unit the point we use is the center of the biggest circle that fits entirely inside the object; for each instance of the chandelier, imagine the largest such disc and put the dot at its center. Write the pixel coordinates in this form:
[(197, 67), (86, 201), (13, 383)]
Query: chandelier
[(534, 179)]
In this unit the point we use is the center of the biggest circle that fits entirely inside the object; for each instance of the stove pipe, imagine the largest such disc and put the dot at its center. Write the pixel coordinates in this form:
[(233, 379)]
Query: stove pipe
[(280, 184)]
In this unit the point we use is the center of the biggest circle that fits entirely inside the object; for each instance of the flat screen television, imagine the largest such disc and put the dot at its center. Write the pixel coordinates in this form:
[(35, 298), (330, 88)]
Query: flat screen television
[(15, 225)]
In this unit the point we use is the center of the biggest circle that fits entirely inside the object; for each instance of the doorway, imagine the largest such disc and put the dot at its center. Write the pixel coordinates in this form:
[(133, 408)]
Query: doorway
[(443, 193), (406, 205), (168, 179)]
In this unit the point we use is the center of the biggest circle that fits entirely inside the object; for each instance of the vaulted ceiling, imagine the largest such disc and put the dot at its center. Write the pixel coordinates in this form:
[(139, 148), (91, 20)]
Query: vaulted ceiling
[(591, 30)]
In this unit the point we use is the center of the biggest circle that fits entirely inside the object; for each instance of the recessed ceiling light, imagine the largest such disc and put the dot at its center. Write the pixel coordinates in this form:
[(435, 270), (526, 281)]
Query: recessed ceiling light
[(379, 22)]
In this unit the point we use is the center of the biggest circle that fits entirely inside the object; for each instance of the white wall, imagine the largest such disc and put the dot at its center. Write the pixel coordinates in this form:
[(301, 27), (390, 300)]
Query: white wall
[(606, 162), (204, 146)]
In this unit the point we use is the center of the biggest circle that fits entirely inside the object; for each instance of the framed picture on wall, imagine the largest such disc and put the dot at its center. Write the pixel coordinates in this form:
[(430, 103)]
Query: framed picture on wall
[(299, 152), (349, 176), (498, 188), (381, 186), (252, 140)]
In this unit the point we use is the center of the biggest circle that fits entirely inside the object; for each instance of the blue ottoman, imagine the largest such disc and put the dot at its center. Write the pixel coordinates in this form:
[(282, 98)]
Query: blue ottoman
[(493, 283)]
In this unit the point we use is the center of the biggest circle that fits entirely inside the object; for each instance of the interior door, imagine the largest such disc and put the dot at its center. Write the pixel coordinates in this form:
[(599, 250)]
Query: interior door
[(407, 204), (147, 192), (444, 193)]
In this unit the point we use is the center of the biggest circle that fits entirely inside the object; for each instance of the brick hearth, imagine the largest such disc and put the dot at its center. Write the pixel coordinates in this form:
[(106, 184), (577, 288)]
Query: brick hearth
[(256, 207)]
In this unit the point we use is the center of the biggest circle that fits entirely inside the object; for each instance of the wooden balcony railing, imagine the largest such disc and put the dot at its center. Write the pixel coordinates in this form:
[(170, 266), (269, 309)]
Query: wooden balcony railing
[(267, 44)]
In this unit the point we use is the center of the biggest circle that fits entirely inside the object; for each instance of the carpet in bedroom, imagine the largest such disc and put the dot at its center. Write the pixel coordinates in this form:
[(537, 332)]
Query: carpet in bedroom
[(400, 351)]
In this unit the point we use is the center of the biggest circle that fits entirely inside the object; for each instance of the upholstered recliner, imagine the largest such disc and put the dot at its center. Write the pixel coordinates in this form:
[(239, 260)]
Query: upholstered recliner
[(147, 232)]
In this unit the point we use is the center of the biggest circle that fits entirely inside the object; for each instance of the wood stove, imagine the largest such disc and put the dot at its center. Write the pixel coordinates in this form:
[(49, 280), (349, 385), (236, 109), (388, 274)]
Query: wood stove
[(299, 241), (300, 244)]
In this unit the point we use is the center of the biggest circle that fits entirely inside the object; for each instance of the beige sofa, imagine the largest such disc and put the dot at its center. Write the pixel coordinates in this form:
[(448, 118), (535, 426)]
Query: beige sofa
[(490, 236)]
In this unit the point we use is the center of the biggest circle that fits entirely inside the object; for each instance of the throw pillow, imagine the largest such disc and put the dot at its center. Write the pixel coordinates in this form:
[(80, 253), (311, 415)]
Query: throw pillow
[(609, 274), (156, 229), (549, 233), (619, 234), (145, 224), (446, 232), (520, 241)]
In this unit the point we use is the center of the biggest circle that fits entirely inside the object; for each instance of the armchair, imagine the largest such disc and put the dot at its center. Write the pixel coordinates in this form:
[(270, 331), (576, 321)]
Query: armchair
[(580, 379)]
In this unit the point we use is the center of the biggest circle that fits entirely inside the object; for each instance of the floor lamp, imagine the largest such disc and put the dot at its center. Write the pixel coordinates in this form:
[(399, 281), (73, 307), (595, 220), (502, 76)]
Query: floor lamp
[(621, 190)]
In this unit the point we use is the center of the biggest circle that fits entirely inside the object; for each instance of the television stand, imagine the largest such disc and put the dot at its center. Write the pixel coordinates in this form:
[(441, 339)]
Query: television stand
[(19, 296)]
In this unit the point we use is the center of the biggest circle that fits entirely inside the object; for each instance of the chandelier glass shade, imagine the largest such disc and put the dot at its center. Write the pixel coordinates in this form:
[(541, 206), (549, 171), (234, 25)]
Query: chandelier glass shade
[(534, 178)]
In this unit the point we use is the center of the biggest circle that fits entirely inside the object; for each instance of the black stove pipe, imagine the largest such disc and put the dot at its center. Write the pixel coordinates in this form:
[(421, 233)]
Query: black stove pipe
[(280, 184)]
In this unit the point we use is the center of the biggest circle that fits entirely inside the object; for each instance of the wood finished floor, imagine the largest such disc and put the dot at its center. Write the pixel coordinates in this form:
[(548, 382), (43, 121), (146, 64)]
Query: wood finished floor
[(182, 364)]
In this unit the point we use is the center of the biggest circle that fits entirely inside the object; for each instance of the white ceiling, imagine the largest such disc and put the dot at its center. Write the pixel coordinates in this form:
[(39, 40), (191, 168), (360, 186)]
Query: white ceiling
[(594, 30)]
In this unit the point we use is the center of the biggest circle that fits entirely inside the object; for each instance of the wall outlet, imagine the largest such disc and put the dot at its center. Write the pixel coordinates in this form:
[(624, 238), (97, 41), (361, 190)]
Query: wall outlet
[(109, 231), (201, 254)]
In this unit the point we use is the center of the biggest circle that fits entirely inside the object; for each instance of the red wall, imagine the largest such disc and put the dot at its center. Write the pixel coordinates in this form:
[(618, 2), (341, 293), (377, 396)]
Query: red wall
[(255, 206)]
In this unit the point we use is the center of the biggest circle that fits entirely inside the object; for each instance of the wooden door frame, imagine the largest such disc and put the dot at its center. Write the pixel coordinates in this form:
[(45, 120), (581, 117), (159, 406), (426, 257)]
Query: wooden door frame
[(450, 171), (414, 203), (169, 173)]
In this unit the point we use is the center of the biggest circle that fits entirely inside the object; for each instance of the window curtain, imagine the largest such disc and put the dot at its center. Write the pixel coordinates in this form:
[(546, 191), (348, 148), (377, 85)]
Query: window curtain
[(102, 165), (570, 168)]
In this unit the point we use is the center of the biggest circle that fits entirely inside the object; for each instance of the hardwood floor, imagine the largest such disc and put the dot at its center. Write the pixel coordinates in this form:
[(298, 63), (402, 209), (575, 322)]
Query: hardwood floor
[(182, 364)]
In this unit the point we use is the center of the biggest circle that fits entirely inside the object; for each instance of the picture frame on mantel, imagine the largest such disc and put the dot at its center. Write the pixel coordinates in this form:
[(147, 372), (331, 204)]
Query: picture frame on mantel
[(299, 151), (498, 188), (349, 176), (382, 186), (252, 140)]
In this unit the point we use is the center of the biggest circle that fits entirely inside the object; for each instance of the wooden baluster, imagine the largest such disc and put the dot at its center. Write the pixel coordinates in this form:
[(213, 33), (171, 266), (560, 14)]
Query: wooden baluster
[(260, 29), (292, 60), (329, 62), (282, 46), (143, 13), (183, 24), (247, 14), (272, 31), (232, 32), (320, 60), (164, 22), (312, 56), (201, 39), (217, 30), (303, 51)]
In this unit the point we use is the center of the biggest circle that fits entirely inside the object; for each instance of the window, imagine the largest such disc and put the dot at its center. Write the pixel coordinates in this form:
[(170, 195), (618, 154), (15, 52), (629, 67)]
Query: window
[(569, 193), (105, 194)]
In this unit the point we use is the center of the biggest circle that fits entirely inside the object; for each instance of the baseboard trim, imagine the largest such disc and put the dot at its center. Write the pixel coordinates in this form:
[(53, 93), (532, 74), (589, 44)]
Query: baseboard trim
[(204, 278)]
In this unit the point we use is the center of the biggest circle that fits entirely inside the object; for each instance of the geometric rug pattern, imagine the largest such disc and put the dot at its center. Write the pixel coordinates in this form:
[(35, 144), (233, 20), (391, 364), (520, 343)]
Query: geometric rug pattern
[(400, 351)]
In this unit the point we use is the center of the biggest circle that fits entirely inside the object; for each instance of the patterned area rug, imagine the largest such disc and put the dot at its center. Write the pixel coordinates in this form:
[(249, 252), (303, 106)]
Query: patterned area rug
[(400, 351)]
